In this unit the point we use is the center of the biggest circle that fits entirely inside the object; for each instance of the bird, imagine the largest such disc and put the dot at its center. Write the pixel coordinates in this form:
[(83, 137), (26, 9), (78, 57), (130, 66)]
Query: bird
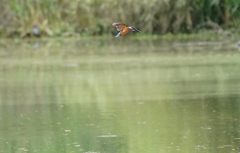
[(35, 30), (123, 29)]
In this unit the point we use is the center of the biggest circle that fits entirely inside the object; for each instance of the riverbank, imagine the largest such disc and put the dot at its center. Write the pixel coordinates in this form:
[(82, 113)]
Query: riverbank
[(76, 17)]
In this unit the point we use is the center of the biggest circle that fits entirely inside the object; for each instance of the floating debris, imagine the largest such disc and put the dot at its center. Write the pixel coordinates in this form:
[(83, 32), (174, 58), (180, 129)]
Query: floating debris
[(23, 149), (206, 128), (107, 136)]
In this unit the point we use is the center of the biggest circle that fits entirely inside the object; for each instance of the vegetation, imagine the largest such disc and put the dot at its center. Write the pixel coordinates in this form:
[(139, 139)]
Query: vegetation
[(94, 17)]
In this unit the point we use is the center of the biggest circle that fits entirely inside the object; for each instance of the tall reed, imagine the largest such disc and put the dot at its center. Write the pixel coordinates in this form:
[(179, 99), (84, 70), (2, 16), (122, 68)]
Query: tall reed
[(94, 17)]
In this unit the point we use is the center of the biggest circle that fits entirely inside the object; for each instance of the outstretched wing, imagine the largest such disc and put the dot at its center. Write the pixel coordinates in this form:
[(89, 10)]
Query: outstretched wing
[(119, 26)]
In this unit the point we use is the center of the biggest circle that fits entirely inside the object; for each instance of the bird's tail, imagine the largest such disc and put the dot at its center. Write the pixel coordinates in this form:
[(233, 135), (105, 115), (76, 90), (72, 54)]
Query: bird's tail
[(119, 33)]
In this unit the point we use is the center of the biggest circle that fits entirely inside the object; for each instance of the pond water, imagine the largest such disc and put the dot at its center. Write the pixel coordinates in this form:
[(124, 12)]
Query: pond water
[(110, 95)]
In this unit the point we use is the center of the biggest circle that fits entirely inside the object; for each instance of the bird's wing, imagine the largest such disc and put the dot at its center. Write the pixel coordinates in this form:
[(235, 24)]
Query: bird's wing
[(119, 26)]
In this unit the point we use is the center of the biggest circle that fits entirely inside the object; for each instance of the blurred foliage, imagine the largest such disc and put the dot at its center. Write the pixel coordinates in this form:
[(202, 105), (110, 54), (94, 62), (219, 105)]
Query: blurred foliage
[(94, 17)]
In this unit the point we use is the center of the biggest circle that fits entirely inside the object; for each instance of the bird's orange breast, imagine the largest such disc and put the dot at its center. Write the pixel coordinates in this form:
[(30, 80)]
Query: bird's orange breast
[(125, 31)]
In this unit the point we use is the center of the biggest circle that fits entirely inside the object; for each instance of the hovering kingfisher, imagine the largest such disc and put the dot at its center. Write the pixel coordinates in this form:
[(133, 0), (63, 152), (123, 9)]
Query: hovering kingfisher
[(123, 29)]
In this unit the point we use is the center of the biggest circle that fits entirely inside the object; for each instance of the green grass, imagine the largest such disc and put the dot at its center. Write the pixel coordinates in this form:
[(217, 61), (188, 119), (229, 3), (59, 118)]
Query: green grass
[(92, 17)]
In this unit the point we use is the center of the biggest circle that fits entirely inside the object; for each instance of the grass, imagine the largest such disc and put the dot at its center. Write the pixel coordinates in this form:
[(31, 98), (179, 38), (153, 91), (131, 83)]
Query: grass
[(93, 17)]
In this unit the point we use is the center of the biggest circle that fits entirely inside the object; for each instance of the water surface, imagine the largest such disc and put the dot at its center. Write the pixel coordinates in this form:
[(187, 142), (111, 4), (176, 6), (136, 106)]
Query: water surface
[(118, 96)]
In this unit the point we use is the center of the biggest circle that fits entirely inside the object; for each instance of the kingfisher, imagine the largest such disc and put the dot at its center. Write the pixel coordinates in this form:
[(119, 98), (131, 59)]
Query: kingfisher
[(123, 29)]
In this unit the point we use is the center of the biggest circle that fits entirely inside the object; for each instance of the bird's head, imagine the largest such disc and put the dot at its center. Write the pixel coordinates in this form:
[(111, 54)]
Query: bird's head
[(133, 28)]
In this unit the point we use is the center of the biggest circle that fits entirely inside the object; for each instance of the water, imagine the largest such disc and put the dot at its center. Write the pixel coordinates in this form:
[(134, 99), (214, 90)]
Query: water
[(99, 95)]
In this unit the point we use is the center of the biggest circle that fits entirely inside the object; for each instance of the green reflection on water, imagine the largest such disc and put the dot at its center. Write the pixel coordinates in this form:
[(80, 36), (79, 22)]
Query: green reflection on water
[(108, 97)]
